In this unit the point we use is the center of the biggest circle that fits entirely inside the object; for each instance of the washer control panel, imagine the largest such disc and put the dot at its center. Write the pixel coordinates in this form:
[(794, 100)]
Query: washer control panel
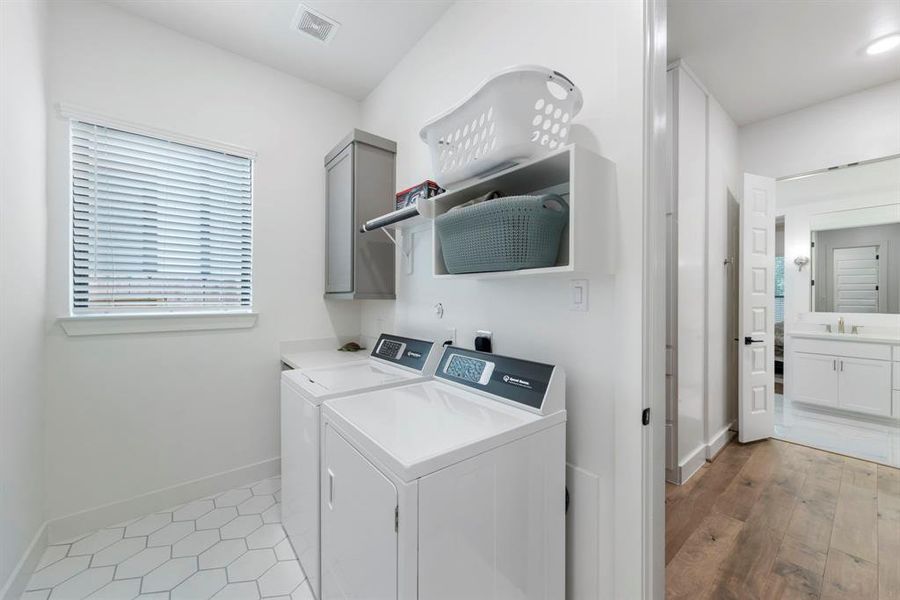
[(469, 369), (514, 380), (407, 352)]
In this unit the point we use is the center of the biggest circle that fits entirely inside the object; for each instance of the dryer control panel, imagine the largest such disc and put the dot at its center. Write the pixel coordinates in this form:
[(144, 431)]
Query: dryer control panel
[(530, 385), (406, 352)]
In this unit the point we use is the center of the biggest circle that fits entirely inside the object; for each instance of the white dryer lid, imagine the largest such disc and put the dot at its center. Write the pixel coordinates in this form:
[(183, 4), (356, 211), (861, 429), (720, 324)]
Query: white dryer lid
[(322, 383), (418, 429)]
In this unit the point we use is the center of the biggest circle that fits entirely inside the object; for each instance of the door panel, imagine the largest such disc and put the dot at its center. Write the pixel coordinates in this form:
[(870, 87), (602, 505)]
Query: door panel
[(814, 378), (300, 479), (339, 196), (856, 279), (359, 542), (757, 311), (864, 385)]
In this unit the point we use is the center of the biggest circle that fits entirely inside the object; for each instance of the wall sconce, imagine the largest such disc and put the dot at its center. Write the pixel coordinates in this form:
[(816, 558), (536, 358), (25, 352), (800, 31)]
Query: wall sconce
[(801, 261)]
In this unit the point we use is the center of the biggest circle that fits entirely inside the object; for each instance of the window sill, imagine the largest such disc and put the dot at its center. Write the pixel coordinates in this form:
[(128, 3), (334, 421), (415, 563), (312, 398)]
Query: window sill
[(153, 323)]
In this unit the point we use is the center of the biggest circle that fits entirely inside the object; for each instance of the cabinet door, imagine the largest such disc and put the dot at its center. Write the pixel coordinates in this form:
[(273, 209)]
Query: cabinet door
[(814, 378), (864, 385), (359, 542), (339, 229)]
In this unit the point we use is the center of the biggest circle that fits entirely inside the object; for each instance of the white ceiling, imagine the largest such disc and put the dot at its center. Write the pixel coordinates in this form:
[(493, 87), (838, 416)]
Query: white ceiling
[(373, 36), (765, 58)]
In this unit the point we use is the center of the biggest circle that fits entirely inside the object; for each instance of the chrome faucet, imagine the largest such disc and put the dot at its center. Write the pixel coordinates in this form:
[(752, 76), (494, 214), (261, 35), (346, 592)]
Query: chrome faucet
[(855, 329), (841, 325)]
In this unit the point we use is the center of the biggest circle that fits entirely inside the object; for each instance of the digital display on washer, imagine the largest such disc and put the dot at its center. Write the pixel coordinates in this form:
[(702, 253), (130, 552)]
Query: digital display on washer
[(514, 379), (390, 349), (407, 352), (469, 369)]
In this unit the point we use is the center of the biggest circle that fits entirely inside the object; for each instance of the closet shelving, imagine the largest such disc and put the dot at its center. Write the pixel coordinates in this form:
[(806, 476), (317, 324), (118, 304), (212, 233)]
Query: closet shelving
[(583, 178), (586, 180)]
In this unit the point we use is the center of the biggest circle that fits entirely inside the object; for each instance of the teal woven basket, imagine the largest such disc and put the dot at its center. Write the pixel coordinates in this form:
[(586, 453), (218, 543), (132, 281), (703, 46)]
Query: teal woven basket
[(506, 234)]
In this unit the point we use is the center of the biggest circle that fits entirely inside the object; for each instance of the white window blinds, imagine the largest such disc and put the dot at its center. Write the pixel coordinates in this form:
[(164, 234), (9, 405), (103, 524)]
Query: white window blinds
[(158, 226)]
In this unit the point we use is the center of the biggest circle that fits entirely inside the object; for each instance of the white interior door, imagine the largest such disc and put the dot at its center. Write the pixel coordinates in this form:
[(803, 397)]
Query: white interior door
[(855, 282), (757, 310)]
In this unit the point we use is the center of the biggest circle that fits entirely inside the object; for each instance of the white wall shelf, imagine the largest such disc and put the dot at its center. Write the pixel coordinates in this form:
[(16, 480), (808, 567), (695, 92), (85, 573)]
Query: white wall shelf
[(586, 180)]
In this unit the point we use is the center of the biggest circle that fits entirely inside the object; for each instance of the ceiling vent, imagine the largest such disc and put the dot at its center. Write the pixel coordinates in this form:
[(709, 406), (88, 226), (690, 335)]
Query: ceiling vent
[(314, 24)]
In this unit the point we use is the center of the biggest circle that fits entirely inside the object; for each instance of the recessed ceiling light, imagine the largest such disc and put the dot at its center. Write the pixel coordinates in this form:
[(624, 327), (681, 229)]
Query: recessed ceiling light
[(883, 44)]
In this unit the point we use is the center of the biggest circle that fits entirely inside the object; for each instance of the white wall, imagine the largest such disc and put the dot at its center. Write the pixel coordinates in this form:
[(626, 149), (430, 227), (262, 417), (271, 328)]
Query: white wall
[(708, 181), (598, 45), (692, 154), (130, 414), (852, 128), (724, 189), (23, 235)]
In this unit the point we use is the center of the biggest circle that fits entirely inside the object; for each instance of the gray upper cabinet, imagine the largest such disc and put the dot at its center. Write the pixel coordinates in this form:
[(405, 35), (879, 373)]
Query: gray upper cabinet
[(360, 185)]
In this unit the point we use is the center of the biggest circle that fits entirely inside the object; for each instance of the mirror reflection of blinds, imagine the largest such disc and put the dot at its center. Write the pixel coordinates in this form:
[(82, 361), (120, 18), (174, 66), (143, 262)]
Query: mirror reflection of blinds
[(157, 226)]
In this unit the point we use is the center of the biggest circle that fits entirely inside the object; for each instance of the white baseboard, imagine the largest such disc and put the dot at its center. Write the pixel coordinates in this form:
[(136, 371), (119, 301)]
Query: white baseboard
[(719, 440), (18, 579), (686, 468), (691, 464), (80, 523), (672, 476)]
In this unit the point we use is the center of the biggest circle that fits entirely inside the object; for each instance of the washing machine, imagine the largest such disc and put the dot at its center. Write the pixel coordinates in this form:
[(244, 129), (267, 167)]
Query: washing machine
[(448, 489), (394, 361)]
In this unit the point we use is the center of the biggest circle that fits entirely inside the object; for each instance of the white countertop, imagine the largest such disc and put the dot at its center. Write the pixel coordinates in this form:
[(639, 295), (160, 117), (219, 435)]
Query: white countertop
[(880, 338), (322, 358)]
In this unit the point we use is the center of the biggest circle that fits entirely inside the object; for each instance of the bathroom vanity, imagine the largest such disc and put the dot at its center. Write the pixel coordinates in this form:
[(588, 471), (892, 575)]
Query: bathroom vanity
[(847, 372)]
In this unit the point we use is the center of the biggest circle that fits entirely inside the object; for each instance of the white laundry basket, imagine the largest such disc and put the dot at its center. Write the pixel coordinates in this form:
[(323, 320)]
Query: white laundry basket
[(519, 113)]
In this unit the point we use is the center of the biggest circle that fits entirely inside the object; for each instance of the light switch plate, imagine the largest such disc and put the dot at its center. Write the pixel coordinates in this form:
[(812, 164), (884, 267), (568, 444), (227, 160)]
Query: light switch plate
[(578, 295)]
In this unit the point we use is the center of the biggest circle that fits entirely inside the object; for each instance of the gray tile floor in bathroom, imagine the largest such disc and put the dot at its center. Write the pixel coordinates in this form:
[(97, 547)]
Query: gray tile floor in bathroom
[(230, 546)]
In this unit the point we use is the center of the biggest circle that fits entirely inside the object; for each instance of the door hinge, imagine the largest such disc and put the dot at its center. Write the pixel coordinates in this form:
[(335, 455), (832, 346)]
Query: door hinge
[(396, 519), (812, 282), (645, 416), (812, 244), (876, 288), (876, 257)]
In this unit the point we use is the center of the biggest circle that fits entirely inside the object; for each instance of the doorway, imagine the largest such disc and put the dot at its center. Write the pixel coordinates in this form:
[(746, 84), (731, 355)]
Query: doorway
[(735, 525)]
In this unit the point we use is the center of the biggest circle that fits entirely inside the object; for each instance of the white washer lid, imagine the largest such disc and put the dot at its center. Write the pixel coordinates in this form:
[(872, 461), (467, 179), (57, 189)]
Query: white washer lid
[(421, 428), (322, 383)]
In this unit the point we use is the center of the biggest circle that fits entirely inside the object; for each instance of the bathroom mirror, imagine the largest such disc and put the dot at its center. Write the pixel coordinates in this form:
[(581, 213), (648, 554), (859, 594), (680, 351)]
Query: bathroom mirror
[(853, 258), (856, 269)]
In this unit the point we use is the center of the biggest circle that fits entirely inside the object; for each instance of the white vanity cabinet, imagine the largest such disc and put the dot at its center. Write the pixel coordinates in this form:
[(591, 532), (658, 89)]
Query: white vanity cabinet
[(843, 372), (864, 385), (815, 378)]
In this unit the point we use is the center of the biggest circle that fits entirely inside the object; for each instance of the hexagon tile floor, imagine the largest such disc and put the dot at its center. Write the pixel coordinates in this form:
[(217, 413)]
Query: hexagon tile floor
[(230, 546)]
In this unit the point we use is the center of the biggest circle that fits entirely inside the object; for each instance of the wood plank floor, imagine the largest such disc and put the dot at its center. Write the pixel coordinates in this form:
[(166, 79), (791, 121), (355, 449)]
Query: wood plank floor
[(774, 520)]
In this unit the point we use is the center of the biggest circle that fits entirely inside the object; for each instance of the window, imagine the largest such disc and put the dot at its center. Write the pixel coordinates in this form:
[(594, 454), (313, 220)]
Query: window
[(779, 289), (157, 226)]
